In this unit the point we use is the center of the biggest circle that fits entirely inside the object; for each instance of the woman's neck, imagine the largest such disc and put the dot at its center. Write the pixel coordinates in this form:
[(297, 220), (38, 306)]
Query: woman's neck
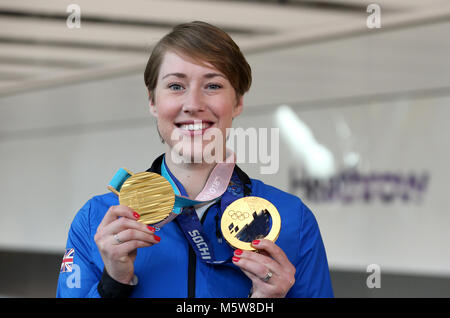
[(193, 176)]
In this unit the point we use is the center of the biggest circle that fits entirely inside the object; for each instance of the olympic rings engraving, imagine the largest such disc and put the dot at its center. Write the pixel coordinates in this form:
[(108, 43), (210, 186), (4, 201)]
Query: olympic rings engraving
[(238, 215)]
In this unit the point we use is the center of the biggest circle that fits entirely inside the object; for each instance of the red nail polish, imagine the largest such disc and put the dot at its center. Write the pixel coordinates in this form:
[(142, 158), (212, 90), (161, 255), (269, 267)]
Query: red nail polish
[(136, 215), (238, 252), (157, 238), (256, 242), (235, 259), (151, 228)]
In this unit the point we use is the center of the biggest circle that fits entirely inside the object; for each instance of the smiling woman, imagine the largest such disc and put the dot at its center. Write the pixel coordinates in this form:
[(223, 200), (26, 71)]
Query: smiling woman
[(196, 65), (196, 79), (191, 102)]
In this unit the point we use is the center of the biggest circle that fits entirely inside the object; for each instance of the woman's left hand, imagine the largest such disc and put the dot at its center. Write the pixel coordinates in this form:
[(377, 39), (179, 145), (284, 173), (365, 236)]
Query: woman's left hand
[(270, 270)]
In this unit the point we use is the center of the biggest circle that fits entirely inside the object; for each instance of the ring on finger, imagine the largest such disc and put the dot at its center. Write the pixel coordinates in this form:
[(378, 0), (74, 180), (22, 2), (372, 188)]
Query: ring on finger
[(116, 237), (268, 276)]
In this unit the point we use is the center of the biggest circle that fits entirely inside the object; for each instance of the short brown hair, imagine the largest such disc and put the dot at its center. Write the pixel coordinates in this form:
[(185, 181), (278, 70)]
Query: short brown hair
[(204, 43)]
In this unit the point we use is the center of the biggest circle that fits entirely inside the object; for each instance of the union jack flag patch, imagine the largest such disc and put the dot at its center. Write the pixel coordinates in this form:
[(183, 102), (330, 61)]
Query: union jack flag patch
[(67, 262)]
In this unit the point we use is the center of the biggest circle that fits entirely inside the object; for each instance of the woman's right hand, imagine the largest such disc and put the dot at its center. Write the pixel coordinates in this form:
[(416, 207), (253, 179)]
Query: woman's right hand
[(118, 237)]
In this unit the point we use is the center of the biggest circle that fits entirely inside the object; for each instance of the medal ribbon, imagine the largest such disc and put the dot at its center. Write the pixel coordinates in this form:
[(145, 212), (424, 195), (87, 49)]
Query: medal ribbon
[(215, 186), (188, 220)]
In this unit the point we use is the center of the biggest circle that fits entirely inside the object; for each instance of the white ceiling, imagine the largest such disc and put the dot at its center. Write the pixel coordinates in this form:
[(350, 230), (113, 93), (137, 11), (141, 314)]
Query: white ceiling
[(38, 50)]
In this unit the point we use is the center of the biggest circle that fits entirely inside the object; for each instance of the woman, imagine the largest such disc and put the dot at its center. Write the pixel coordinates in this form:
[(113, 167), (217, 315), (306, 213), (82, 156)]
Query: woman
[(196, 78)]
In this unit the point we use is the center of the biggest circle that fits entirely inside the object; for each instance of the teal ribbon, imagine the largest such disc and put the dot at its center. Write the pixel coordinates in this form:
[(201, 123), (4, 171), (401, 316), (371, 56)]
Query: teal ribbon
[(119, 178), (180, 201)]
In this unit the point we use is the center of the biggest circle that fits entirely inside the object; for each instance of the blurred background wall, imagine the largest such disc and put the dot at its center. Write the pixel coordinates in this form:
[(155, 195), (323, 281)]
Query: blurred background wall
[(73, 109)]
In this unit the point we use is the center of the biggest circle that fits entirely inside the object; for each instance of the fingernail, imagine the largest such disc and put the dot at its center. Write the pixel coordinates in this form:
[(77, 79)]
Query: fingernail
[(136, 215), (238, 252), (157, 238), (151, 228), (256, 242), (235, 259)]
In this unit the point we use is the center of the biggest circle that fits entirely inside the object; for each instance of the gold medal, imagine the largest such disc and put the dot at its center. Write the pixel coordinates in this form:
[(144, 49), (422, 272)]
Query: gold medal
[(149, 194), (249, 218)]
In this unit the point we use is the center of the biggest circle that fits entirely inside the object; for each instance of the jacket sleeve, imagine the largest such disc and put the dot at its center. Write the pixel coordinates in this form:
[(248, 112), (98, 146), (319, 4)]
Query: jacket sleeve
[(80, 278), (312, 278)]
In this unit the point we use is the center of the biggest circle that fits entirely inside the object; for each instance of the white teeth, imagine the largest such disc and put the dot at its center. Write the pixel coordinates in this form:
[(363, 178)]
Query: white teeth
[(194, 127)]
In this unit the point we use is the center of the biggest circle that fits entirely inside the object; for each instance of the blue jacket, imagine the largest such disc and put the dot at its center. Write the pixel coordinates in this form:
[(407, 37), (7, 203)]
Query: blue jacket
[(171, 269)]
